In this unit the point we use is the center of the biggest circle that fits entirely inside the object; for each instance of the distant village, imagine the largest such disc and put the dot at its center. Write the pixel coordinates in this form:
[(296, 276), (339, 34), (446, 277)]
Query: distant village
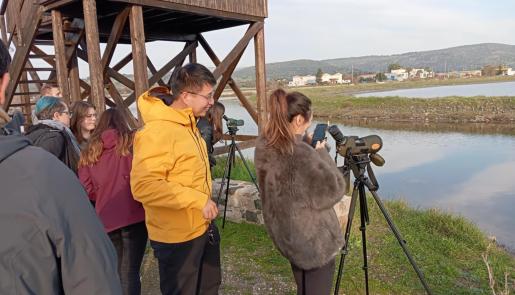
[(396, 73)]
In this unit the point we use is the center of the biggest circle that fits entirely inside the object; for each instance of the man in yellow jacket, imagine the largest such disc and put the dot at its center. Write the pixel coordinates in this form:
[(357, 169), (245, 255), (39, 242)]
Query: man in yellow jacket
[(171, 177)]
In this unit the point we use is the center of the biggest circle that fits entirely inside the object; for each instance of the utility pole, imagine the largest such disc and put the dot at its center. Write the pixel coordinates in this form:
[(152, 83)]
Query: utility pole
[(352, 74)]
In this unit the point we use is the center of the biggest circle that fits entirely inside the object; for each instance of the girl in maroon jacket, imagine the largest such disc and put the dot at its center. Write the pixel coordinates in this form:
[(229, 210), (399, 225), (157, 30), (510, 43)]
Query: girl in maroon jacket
[(104, 171)]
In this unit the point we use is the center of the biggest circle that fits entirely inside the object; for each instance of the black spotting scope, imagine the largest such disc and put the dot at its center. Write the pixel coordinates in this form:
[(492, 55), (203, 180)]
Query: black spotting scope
[(233, 122), (353, 145)]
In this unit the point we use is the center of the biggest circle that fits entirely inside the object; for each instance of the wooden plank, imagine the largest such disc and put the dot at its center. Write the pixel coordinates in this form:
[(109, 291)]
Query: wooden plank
[(239, 137), (189, 8), (259, 48), (179, 65), (22, 52), (244, 101), (95, 66), (114, 37), (139, 54), (172, 63), (240, 46), (74, 38), (60, 56)]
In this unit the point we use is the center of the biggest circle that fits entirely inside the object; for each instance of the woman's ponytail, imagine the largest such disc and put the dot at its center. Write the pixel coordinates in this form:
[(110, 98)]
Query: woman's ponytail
[(283, 108)]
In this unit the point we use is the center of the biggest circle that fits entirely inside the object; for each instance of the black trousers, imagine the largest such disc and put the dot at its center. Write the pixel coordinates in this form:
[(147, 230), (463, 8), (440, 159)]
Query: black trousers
[(191, 267), (318, 281), (130, 243)]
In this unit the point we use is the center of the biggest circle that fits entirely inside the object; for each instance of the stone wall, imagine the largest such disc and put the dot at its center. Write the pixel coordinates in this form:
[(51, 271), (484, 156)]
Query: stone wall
[(244, 203)]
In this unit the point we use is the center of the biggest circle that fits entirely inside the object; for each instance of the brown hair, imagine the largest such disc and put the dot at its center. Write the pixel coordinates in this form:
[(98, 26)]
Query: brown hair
[(283, 108), (79, 110), (214, 116), (110, 119), (46, 89)]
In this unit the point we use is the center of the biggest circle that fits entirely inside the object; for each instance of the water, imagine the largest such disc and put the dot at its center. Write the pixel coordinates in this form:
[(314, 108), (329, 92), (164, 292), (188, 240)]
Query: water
[(488, 89), (468, 174)]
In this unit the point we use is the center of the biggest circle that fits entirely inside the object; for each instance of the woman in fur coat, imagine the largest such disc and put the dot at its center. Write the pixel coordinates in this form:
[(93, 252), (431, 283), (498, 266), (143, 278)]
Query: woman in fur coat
[(299, 185)]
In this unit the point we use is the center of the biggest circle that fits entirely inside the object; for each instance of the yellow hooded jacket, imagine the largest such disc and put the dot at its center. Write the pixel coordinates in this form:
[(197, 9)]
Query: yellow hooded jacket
[(170, 171)]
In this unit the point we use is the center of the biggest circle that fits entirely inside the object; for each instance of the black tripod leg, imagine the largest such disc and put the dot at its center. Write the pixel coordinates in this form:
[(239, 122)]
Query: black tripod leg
[(247, 167), (231, 159), (345, 248), (363, 228), (224, 177), (401, 241)]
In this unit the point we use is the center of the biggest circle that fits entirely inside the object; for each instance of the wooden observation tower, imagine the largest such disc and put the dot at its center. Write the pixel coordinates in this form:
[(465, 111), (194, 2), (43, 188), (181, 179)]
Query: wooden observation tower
[(74, 30)]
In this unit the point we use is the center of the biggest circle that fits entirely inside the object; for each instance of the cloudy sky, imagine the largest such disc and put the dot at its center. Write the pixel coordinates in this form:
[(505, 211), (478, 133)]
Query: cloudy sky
[(322, 29)]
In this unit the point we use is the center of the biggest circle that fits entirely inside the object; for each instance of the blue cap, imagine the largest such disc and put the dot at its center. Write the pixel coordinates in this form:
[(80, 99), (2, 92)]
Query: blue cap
[(46, 102)]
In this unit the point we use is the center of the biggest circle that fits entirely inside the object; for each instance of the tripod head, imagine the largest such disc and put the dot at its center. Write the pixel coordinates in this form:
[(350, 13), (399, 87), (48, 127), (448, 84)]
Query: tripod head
[(358, 153)]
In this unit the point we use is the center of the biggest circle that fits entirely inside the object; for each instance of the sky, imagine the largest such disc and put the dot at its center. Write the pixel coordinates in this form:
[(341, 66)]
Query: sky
[(324, 29)]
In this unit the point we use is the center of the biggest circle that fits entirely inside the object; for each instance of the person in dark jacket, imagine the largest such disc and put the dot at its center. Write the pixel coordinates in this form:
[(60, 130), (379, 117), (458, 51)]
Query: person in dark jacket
[(52, 131), (299, 185), (104, 171), (52, 242), (211, 129)]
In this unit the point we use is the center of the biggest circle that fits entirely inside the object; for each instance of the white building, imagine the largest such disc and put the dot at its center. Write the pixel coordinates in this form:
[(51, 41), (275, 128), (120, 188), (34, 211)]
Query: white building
[(510, 72), (420, 73), (332, 79), (397, 75), (302, 80)]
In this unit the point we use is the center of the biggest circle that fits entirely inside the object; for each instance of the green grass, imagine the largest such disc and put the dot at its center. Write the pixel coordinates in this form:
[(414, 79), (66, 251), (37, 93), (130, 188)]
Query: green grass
[(238, 172), (447, 248)]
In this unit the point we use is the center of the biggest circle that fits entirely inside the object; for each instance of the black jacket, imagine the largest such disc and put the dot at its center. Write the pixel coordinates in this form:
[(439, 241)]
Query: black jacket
[(51, 239), (56, 142), (206, 130)]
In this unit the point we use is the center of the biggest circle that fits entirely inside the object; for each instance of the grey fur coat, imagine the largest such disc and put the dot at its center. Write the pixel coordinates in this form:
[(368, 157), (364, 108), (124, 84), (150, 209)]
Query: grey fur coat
[(298, 193)]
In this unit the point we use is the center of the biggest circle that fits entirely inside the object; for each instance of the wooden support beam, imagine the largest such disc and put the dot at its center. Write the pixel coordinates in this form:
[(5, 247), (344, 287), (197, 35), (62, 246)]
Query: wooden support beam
[(153, 70), (193, 55), (240, 46), (116, 33), (109, 71), (93, 50), (259, 48), (73, 39), (180, 63), (226, 77), (74, 78), (244, 101), (26, 98), (139, 53), (115, 95), (123, 62), (60, 55)]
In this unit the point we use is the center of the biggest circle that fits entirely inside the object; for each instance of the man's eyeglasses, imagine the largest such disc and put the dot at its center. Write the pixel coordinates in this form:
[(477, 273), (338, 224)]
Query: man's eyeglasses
[(208, 97), (69, 113)]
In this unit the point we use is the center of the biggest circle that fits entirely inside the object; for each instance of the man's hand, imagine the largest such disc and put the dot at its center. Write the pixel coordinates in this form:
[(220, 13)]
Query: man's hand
[(210, 211)]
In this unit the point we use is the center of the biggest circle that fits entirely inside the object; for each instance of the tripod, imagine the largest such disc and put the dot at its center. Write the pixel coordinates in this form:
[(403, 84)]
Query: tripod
[(233, 147), (360, 165)]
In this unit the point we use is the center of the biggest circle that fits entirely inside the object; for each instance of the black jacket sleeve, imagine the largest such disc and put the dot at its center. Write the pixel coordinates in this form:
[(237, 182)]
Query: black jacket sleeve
[(52, 142), (206, 130)]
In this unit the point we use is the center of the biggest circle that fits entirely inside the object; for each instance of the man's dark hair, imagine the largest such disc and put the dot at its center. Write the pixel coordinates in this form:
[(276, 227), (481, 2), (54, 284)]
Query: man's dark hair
[(191, 77), (5, 59)]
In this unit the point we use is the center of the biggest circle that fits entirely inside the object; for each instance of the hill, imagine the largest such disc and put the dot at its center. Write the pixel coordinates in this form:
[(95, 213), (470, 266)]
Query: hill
[(454, 58)]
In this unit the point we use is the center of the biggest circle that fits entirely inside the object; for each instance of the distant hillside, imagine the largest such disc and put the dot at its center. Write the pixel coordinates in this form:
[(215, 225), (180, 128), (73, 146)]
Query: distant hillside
[(455, 58)]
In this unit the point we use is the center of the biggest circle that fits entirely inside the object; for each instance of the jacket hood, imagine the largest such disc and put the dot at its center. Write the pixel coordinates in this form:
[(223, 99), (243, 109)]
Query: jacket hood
[(109, 138), (152, 108), (11, 144)]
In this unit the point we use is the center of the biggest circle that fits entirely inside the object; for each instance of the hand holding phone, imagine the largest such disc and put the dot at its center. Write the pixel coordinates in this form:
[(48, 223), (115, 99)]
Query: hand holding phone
[(319, 134)]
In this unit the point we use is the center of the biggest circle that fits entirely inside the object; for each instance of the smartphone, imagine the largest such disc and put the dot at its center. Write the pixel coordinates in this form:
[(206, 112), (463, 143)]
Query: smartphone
[(319, 134)]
